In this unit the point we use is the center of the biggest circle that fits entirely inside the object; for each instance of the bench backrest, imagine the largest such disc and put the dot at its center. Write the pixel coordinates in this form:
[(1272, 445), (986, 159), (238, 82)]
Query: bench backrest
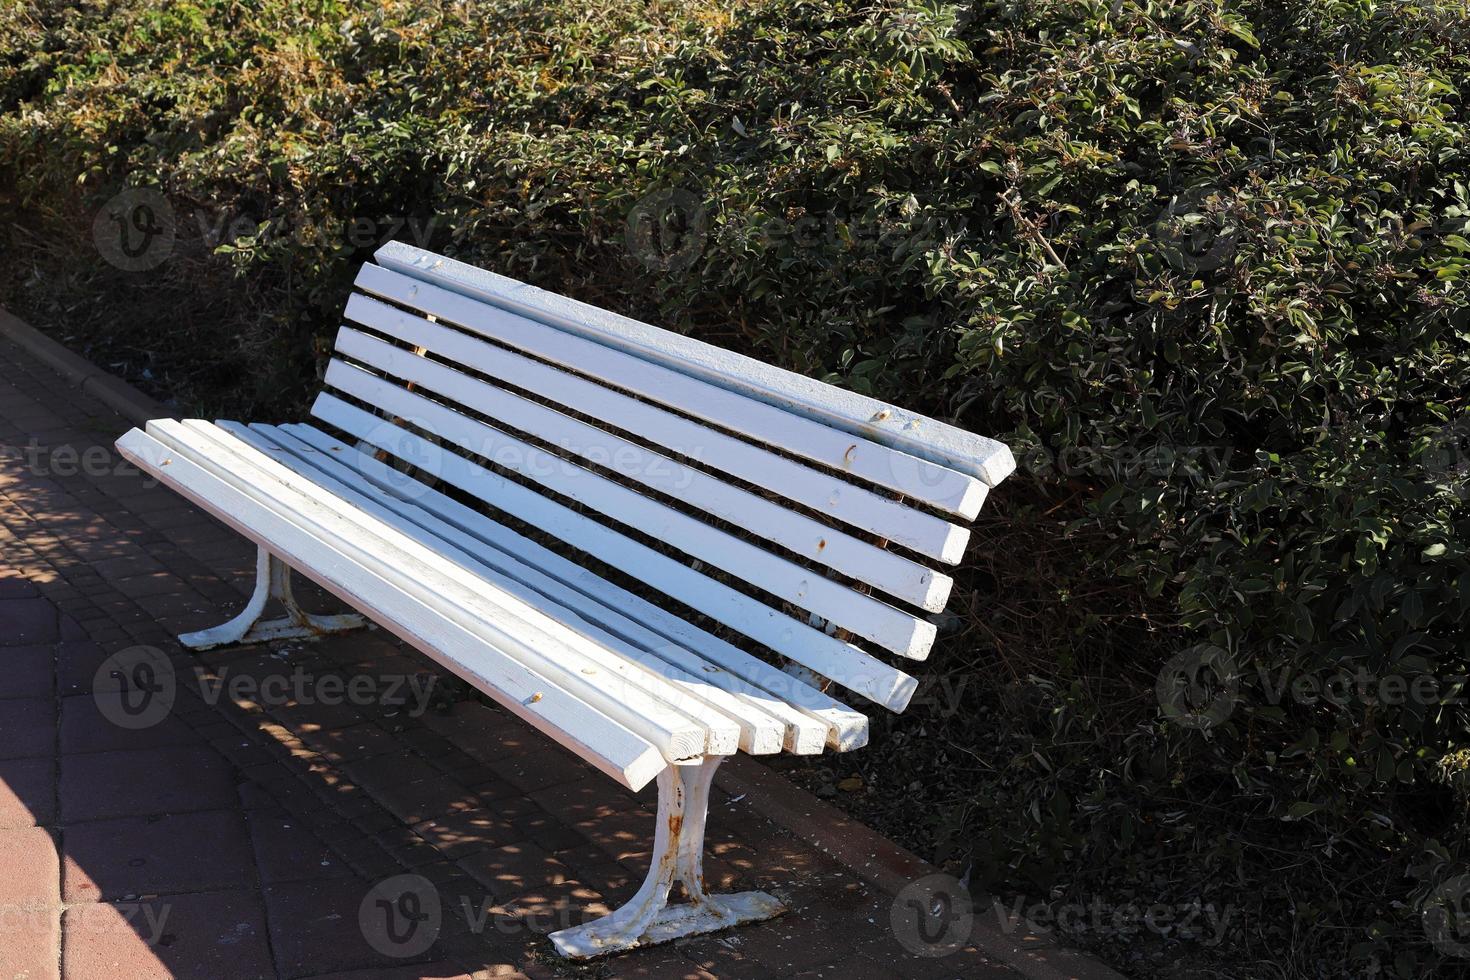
[(810, 519)]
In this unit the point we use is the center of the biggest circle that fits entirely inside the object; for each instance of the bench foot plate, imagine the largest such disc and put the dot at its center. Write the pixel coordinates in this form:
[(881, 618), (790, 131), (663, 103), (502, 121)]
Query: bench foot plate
[(672, 922), (678, 855), (272, 581), (309, 628)]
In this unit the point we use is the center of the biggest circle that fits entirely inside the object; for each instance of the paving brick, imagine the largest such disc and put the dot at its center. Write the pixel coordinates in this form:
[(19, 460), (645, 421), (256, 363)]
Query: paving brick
[(28, 869), (105, 634), (859, 967), (425, 799), (396, 769), (427, 744), (151, 498), (550, 908), (14, 585), (795, 942), (662, 963), (554, 835), (496, 789), (344, 745), (255, 796), (84, 728), (177, 516), (134, 563), (156, 582), (350, 801), (467, 831), (25, 622), (27, 728), (218, 934), (27, 792), (240, 751), (77, 663), (315, 928), (429, 971), (294, 794), (139, 782), (723, 956), (148, 634), (455, 762), (181, 612), (591, 865), (373, 863), (374, 821), (315, 716), (365, 650), (515, 869), (187, 852), (32, 939), (532, 769), (27, 671), (288, 851), (59, 591), (407, 847)]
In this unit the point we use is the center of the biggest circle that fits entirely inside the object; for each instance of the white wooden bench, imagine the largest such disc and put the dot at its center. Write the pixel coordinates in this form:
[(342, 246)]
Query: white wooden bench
[(654, 550)]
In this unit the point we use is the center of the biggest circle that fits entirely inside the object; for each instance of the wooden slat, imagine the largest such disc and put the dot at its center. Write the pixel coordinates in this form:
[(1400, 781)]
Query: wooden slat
[(549, 646), (369, 584), (892, 573), (807, 485), (776, 691), (759, 731), (891, 628), (844, 663), (847, 452), (926, 438)]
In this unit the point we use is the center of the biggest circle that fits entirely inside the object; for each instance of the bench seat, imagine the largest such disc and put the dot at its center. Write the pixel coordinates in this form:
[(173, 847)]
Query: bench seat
[(654, 551)]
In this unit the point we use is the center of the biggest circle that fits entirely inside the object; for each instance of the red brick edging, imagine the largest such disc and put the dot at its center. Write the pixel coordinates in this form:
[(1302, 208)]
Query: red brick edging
[(109, 389)]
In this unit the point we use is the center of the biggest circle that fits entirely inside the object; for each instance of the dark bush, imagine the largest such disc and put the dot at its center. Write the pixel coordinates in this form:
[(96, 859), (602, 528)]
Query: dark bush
[(1203, 264)]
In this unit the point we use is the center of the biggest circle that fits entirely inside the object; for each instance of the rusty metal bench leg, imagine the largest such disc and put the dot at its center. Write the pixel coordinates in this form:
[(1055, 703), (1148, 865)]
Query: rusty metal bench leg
[(678, 854), (272, 581)]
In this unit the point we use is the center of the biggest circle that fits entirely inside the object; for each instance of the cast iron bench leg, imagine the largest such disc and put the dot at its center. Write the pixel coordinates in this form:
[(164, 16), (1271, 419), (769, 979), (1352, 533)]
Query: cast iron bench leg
[(678, 853), (272, 581)]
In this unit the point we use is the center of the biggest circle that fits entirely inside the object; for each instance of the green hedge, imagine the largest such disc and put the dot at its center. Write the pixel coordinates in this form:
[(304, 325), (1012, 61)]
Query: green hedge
[(1203, 264)]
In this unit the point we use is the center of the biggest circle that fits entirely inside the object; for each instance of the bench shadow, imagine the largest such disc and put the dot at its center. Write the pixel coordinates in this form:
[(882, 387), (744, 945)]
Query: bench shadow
[(382, 800)]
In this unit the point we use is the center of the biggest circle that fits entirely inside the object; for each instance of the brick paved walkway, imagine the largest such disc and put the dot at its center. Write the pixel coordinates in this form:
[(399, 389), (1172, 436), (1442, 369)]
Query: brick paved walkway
[(244, 832)]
